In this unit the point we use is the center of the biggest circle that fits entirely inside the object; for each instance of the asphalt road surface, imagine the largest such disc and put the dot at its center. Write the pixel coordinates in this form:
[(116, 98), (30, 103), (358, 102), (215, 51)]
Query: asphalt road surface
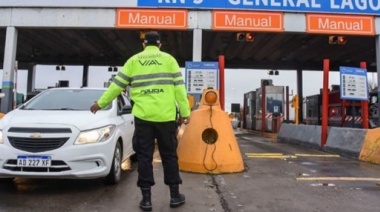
[(278, 177)]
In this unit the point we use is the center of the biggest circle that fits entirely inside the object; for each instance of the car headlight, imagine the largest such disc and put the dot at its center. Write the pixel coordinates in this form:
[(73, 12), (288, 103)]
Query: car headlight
[(96, 135), (1, 137)]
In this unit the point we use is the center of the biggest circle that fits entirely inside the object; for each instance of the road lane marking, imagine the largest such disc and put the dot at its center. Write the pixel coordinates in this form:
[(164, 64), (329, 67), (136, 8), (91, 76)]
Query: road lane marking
[(295, 155), (316, 155), (281, 155), (338, 179), (269, 155), (264, 153), (272, 156)]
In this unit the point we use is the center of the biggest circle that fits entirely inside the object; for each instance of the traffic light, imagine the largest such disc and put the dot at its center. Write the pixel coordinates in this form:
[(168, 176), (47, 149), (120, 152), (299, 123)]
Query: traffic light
[(266, 82), (340, 40), (240, 36), (249, 36), (273, 72), (245, 36)]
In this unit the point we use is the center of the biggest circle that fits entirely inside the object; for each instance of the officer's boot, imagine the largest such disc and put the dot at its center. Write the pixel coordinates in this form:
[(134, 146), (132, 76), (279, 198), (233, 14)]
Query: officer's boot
[(145, 203), (176, 199)]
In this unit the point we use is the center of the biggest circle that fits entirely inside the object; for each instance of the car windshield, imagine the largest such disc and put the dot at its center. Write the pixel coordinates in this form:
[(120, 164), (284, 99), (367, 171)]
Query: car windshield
[(65, 99)]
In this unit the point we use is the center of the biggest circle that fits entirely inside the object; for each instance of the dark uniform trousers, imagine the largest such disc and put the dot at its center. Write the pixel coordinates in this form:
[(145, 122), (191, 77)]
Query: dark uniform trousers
[(144, 144)]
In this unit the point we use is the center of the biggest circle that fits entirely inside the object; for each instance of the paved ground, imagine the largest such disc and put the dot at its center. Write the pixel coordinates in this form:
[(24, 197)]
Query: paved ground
[(278, 177)]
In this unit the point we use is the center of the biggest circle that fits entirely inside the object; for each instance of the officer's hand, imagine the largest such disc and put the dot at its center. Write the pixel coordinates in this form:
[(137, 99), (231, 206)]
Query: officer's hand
[(94, 108), (186, 120)]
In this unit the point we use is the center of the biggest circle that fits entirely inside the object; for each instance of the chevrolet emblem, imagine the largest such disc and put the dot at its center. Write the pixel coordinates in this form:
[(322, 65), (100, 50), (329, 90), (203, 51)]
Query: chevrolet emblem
[(35, 135)]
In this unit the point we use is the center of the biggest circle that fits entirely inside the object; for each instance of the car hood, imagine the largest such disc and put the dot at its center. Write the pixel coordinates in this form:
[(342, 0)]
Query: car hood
[(79, 119)]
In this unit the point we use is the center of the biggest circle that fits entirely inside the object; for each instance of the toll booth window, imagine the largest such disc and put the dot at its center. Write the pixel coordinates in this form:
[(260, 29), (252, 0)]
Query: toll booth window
[(312, 107), (274, 103), (353, 111), (258, 104), (251, 107)]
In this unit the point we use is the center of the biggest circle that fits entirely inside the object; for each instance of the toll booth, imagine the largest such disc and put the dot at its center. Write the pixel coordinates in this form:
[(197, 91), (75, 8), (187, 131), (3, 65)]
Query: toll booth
[(274, 108), (249, 106)]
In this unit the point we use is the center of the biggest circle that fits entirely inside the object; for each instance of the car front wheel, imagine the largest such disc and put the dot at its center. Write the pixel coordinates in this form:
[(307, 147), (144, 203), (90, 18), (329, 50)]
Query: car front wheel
[(115, 173)]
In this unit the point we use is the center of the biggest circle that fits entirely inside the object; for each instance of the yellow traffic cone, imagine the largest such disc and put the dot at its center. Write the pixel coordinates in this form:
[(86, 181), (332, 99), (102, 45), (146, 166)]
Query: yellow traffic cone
[(208, 143)]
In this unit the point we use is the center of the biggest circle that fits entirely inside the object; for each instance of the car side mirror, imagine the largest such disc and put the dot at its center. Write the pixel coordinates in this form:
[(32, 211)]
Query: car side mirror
[(127, 109)]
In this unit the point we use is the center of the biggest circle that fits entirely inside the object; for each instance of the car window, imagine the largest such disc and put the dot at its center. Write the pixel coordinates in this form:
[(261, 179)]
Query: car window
[(65, 99)]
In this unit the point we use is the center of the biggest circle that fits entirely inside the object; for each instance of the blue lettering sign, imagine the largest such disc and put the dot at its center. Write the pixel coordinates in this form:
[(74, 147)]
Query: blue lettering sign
[(368, 7), (200, 4), (353, 83)]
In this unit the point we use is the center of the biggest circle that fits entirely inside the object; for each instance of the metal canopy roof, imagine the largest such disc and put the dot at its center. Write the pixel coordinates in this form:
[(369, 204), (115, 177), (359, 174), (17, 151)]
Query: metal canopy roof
[(107, 47)]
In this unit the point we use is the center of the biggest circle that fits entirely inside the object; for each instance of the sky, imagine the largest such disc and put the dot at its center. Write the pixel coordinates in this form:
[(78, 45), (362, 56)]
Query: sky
[(237, 81)]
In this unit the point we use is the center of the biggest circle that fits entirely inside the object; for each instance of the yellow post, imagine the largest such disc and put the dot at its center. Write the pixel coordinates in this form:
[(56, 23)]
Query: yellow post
[(191, 101), (295, 105)]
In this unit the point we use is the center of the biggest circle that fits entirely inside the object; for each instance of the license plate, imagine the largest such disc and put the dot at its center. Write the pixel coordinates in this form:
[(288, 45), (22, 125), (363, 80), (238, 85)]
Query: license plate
[(34, 161)]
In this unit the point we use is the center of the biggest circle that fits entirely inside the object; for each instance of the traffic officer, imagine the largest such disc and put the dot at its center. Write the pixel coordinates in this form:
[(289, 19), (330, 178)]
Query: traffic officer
[(156, 88)]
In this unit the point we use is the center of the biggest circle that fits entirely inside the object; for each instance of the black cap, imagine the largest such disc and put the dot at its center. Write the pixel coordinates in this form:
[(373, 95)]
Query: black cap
[(152, 37)]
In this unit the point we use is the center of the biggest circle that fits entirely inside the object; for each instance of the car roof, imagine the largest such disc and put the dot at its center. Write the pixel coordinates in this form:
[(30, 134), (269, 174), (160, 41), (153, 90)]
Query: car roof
[(77, 88)]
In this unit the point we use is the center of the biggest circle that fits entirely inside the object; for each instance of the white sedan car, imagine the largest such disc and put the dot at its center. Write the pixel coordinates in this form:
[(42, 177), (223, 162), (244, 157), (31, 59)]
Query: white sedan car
[(54, 135)]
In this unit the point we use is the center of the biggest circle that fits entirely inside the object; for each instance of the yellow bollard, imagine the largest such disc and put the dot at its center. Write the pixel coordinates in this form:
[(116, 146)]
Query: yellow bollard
[(295, 105), (208, 143), (370, 151)]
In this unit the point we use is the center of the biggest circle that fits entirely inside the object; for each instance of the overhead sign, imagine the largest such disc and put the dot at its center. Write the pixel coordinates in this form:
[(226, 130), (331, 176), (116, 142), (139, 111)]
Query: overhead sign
[(250, 21), (353, 83), (321, 6), (368, 7), (200, 76), (69, 3), (151, 18), (340, 24)]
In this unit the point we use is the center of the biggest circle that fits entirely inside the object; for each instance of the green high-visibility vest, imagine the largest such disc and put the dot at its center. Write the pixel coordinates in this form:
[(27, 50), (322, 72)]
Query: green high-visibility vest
[(156, 86)]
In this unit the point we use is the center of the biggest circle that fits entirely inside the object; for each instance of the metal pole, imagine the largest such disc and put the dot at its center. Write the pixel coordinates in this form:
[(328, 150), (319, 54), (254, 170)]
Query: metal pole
[(325, 101), (343, 120), (85, 75), (197, 45), (15, 86), (300, 94), (9, 69), (364, 104), (378, 74), (353, 111), (263, 109), (221, 81), (287, 102)]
